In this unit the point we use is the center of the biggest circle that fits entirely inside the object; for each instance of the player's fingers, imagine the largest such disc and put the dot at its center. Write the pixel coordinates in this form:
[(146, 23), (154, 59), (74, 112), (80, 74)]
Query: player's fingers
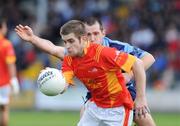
[(20, 26), (147, 109), (18, 29), (42, 70), (18, 33), (140, 114), (27, 27), (137, 113), (144, 112), (47, 68)]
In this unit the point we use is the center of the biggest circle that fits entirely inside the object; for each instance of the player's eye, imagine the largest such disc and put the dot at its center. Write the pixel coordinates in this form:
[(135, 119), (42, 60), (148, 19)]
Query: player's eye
[(88, 34), (64, 42), (71, 41), (96, 33)]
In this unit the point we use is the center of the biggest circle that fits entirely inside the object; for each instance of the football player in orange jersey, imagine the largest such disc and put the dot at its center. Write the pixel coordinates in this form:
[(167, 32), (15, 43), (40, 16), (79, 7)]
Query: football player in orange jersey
[(100, 69), (7, 73), (26, 33)]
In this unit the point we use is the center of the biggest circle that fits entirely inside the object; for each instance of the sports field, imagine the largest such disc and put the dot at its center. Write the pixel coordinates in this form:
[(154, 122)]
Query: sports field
[(48, 118)]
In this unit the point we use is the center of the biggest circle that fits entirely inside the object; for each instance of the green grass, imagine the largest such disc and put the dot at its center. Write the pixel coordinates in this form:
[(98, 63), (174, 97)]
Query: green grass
[(43, 118), (167, 119), (59, 118)]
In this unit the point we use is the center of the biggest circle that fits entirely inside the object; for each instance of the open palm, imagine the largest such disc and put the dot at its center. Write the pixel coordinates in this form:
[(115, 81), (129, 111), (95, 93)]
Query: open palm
[(25, 32)]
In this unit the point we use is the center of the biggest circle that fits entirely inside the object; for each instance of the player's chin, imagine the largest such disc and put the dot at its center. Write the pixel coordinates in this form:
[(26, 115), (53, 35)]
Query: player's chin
[(72, 54)]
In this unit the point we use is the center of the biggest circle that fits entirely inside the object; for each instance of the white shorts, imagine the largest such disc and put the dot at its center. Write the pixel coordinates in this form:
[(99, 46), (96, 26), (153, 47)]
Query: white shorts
[(4, 95), (97, 116)]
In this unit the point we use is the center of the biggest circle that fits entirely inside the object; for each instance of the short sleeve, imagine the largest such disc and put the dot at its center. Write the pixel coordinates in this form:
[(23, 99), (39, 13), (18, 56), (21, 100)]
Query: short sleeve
[(114, 59), (9, 53)]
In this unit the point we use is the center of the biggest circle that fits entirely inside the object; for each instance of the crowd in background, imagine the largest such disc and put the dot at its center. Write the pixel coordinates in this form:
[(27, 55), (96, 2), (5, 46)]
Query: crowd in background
[(152, 25)]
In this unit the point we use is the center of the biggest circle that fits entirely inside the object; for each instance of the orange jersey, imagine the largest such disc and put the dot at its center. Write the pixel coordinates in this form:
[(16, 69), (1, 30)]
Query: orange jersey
[(100, 71), (7, 56)]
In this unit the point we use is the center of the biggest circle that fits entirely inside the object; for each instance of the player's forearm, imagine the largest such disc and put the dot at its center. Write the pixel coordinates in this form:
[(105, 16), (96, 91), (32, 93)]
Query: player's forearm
[(43, 44), (148, 60), (48, 47), (13, 81), (12, 70), (140, 78)]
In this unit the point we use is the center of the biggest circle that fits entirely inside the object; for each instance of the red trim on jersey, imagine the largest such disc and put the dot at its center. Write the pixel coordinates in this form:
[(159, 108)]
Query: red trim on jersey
[(127, 114)]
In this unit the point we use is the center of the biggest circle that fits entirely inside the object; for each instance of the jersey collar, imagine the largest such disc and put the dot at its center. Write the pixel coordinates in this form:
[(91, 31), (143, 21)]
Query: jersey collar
[(87, 44)]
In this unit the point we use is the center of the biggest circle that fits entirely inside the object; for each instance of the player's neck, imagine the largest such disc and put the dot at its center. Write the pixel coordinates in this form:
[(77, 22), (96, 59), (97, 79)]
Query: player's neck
[(83, 50)]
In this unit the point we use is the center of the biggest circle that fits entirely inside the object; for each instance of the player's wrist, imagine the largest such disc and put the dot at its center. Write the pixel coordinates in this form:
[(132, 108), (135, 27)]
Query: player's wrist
[(33, 38), (15, 85), (140, 95)]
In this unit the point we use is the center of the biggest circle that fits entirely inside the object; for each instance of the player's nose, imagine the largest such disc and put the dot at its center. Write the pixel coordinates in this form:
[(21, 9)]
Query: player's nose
[(92, 38)]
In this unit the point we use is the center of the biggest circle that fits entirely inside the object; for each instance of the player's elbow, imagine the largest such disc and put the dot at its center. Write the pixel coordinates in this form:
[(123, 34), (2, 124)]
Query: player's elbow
[(148, 60), (138, 67), (137, 64), (152, 58)]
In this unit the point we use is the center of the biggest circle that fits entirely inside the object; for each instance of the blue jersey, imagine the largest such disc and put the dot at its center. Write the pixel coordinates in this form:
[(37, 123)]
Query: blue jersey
[(125, 47)]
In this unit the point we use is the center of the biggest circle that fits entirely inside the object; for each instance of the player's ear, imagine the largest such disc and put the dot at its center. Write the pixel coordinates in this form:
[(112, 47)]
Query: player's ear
[(84, 38), (104, 32)]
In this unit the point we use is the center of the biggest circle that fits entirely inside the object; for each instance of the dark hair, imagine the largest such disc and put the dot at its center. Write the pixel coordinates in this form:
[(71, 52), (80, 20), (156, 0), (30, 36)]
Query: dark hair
[(73, 26), (92, 20)]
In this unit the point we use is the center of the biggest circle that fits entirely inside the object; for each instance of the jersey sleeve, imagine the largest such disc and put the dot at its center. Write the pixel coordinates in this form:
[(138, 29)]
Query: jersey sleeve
[(115, 59), (135, 51), (67, 70), (9, 53), (125, 47)]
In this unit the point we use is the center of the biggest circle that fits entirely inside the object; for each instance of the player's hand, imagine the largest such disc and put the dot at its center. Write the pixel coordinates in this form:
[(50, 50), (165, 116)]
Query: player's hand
[(25, 32), (141, 108), (127, 77), (15, 86)]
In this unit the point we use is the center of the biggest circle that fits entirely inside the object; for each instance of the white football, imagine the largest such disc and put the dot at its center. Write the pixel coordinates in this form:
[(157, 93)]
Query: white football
[(51, 82)]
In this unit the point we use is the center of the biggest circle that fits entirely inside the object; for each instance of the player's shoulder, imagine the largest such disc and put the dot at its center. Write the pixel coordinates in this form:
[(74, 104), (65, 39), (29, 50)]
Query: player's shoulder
[(108, 40), (5, 42)]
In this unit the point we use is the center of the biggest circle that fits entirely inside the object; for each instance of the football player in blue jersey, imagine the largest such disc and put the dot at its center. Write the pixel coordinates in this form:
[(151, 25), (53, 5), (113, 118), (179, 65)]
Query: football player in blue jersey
[(96, 33)]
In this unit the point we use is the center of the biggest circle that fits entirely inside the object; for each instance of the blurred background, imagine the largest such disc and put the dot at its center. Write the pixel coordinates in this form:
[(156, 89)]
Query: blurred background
[(152, 25)]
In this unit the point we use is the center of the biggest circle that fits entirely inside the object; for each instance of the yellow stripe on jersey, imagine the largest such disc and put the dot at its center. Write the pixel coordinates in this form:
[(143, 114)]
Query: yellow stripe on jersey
[(69, 60), (98, 52), (10, 59), (69, 75), (113, 85), (129, 63), (87, 44)]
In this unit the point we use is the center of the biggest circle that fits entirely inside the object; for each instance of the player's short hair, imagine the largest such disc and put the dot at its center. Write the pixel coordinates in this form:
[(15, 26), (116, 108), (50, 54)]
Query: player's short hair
[(73, 26), (92, 20)]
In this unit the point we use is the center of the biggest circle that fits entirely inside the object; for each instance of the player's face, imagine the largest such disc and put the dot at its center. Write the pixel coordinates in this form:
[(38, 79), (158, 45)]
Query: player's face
[(73, 44), (4, 28), (94, 33)]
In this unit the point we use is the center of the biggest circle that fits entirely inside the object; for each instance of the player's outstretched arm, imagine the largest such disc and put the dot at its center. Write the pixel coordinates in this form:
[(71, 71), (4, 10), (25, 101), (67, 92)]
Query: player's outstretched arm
[(26, 33)]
